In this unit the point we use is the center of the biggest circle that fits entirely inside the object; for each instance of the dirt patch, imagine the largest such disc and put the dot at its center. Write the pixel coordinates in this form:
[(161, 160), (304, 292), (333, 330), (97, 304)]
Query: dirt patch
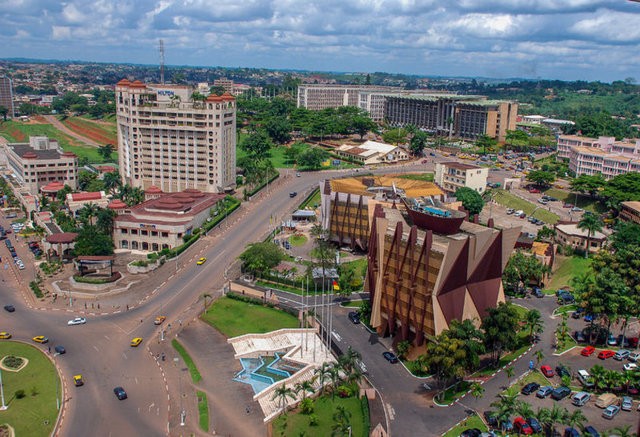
[(18, 135), (87, 129)]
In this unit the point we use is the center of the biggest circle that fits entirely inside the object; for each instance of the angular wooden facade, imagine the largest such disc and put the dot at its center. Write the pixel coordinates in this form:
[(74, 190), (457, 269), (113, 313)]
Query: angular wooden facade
[(419, 281)]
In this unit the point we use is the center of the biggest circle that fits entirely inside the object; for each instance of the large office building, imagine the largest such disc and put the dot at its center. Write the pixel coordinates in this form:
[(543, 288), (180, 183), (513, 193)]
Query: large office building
[(169, 140), (421, 279), (40, 162), (6, 95), (442, 113), (466, 117), (602, 155)]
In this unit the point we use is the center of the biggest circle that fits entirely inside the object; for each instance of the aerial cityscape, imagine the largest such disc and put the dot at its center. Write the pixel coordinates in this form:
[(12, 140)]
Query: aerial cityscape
[(309, 219)]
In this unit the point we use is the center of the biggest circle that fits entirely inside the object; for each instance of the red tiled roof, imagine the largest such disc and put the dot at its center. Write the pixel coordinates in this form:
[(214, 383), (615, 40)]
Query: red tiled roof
[(214, 98), (63, 237), (80, 197), (30, 155), (117, 204), (105, 168), (124, 82), (153, 190), (52, 187)]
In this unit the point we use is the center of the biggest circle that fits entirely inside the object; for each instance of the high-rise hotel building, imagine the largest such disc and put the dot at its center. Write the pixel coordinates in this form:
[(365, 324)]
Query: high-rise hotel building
[(169, 140)]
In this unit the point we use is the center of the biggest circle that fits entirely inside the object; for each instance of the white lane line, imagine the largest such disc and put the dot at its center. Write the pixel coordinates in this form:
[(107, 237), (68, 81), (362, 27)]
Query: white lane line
[(96, 348), (124, 355), (107, 337)]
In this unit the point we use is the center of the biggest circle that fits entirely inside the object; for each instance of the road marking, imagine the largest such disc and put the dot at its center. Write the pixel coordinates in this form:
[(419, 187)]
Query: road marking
[(107, 337), (391, 411), (336, 335), (124, 355), (136, 379), (153, 404), (96, 348)]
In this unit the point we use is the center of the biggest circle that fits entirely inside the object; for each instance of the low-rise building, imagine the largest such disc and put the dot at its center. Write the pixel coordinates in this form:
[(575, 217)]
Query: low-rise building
[(75, 201), (372, 152), (161, 223), (630, 212), (569, 234), (453, 175), (41, 161)]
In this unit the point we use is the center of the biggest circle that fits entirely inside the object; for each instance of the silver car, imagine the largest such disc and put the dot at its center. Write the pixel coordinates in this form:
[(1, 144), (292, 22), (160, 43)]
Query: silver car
[(627, 403), (610, 412)]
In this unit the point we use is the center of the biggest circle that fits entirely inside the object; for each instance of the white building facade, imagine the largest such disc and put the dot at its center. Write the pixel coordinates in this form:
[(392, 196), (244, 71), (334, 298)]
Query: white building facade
[(453, 175)]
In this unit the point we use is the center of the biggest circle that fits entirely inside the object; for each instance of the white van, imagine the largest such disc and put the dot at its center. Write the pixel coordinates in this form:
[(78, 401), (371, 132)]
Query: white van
[(585, 379), (580, 398)]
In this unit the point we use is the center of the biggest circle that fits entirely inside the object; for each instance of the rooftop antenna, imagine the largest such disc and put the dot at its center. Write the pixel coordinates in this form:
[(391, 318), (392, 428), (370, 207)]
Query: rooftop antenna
[(162, 62)]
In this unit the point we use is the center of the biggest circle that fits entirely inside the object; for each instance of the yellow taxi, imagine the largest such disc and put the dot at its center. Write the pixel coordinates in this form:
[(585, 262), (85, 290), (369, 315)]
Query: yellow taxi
[(136, 341), (201, 261), (159, 320), (77, 380), (40, 339), (5, 335)]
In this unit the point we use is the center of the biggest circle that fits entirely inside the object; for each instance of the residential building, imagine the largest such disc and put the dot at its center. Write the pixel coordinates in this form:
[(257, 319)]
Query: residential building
[(372, 152), (420, 280), (226, 84), (167, 139), (6, 95), (569, 234), (41, 161), (630, 212), (347, 204), (603, 155), (453, 175), (162, 222)]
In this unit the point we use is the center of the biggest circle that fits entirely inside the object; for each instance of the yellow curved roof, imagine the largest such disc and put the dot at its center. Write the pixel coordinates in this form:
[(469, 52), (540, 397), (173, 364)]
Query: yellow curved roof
[(412, 188)]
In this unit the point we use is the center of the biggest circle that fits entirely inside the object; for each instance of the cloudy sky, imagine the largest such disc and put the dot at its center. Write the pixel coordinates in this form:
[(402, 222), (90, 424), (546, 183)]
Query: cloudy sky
[(563, 39)]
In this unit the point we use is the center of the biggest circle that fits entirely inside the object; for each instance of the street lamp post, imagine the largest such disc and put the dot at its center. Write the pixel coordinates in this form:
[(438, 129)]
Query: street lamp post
[(3, 407)]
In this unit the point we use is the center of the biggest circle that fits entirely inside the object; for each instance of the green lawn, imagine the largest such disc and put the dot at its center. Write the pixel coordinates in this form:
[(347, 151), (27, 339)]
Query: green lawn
[(193, 370), (583, 201), (352, 304), (568, 268), (473, 421), (297, 240), (203, 411), (233, 317), (19, 132), (296, 424), (510, 201), (277, 154), (534, 376), (454, 392), (427, 177), (313, 201), (36, 413)]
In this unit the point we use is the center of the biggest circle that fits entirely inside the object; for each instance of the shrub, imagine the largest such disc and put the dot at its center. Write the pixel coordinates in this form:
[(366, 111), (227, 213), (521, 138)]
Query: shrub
[(101, 280), (307, 406), (20, 394), (36, 289), (344, 391), (140, 263), (34, 391), (12, 362), (313, 420)]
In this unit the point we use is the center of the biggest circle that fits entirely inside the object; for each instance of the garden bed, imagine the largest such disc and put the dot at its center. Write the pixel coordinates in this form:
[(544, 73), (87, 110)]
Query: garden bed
[(12, 363)]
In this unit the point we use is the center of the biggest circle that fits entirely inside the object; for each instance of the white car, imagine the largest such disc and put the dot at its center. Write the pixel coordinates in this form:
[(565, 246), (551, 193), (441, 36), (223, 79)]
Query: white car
[(634, 356), (630, 366), (77, 321)]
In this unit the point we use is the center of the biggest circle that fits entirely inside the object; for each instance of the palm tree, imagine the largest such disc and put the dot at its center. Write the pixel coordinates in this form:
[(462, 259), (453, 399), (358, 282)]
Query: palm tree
[(507, 404), (550, 417), (335, 377), (575, 419), (341, 421), (349, 360), (621, 431), (111, 181), (477, 390), (599, 375), (533, 322), (305, 387), (592, 224), (322, 373), (539, 356), (204, 298), (105, 221), (524, 409), (282, 393), (510, 371), (88, 212)]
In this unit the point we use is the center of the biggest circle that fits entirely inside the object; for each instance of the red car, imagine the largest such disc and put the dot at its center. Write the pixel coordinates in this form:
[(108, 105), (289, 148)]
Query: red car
[(603, 355), (547, 371), (567, 205), (534, 190), (521, 426), (588, 351)]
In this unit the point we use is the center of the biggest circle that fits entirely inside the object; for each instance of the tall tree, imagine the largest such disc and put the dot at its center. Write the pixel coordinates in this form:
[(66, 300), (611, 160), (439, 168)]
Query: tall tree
[(106, 151), (261, 257), (592, 224), (471, 200), (533, 323), (418, 143), (541, 178), (282, 393), (500, 328), (591, 184), (111, 181), (395, 136), (4, 111)]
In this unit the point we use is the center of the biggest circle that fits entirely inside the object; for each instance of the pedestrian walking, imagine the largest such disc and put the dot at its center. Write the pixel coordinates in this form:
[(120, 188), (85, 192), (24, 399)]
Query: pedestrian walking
[(49, 349)]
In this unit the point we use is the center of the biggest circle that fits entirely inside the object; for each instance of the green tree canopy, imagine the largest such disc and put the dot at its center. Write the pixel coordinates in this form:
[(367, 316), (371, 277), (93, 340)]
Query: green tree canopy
[(521, 269), (257, 145), (261, 257), (418, 142), (588, 184), (279, 129), (500, 328), (471, 200), (312, 158), (91, 241), (541, 178), (395, 136)]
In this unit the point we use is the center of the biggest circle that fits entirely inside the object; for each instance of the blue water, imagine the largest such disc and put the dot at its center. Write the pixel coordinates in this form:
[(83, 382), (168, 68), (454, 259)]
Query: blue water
[(258, 382)]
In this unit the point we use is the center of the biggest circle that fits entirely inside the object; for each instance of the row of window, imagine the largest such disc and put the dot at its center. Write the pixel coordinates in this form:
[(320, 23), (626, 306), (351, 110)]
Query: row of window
[(145, 232)]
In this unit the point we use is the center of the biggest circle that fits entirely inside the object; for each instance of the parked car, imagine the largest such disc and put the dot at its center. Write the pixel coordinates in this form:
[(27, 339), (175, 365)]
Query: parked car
[(535, 425), (77, 321), (612, 341), (60, 349), (587, 351), (390, 356), (585, 379), (571, 432), (471, 432), (633, 356), (354, 317), (590, 431), (537, 292), (534, 191), (510, 211), (610, 412), (577, 313), (560, 393), (530, 388), (9, 308), (562, 370), (521, 426), (629, 366), (566, 298), (491, 417), (547, 371), (120, 393), (605, 354), (544, 391), (580, 398), (579, 337), (627, 403)]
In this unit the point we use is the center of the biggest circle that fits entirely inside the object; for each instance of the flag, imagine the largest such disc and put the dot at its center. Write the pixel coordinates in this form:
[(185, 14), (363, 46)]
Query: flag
[(336, 287)]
